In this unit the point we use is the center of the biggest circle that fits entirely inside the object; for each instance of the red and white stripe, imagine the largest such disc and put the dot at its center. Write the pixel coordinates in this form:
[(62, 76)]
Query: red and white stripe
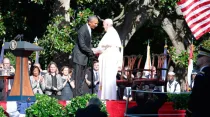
[(197, 15)]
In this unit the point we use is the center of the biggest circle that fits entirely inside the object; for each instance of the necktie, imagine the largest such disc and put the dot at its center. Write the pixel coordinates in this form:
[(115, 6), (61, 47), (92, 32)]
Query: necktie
[(96, 76)]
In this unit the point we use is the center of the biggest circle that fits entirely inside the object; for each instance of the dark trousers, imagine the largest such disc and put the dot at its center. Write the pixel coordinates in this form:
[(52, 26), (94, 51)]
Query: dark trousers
[(78, 76)]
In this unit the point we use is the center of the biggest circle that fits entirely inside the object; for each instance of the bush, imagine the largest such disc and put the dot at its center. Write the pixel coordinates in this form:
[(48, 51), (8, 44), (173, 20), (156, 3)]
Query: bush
[(180, 100), (45, 106), (81, 102)]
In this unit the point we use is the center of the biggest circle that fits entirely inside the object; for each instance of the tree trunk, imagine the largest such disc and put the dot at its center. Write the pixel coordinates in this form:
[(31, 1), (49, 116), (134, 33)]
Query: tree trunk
[(131, 23), (173, 35)]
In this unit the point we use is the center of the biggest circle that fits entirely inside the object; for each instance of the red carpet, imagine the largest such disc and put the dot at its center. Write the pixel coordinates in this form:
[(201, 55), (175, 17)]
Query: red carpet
[(117, 108)]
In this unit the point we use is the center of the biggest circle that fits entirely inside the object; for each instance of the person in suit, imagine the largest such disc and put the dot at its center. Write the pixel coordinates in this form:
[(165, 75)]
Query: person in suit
[(82, 52), (192, 80), (93, 109), (9, 69), (199, 98), (87, 84)]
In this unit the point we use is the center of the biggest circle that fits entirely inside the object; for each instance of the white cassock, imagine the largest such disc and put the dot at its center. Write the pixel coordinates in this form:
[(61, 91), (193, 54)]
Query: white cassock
[(109, 61)]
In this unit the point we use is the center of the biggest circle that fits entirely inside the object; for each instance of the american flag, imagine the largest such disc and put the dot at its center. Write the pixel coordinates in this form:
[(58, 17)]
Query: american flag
[(197, 16)]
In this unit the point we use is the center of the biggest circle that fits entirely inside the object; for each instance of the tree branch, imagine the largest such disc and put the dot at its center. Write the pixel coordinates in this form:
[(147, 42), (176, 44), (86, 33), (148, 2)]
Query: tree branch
[(121, 14)]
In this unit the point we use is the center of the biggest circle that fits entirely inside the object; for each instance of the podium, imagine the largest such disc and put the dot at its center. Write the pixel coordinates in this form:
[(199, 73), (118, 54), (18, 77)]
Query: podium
[(21, 88)]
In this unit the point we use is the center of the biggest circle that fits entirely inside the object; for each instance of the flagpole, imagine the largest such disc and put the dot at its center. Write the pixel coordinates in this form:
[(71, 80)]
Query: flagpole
[(164, 67), (2, 52), (37, 52)]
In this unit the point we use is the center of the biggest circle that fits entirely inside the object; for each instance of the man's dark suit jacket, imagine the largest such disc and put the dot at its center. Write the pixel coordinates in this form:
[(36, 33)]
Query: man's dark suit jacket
[(200, 96), (82, 49), (85, 87), (90, 111)]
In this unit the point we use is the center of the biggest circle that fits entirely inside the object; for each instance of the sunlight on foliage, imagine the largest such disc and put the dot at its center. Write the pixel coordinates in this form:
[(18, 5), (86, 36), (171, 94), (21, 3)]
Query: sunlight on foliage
[(60, 35), (2, 27), (182, 59), (206, 44)]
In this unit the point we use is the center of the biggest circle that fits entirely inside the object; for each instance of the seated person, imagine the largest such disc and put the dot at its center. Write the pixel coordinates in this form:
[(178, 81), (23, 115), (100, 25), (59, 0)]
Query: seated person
[(93, 109), (152, 74), (126, 73), (127, 94), (138, 75), (172, 85)]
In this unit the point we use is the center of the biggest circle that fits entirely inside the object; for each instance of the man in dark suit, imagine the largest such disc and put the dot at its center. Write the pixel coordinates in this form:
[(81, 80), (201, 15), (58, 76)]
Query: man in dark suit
[(87, 84), (82, 52), (200, 96)]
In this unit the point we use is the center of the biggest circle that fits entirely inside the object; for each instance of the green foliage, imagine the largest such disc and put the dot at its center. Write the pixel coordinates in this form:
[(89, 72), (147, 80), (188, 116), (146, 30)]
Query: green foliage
[(81, 102), (181, 59), (88, 1), (38, 1), (180, 100), (60, 35), (45, 106), (2, 27), (206, 44), (11, 57), (168, 3), (2, 112), (14, 21)]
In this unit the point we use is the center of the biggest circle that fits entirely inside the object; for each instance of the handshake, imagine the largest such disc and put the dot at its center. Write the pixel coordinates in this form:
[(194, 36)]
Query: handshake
[(97, 50)]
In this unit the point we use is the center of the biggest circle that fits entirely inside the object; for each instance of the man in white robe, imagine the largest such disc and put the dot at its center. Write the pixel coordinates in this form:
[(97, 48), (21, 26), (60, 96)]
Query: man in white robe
[(110, 59)]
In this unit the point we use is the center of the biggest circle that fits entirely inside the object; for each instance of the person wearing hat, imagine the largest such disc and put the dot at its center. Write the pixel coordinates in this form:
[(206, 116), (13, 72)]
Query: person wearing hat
[(172, 85), (192, 80), (200, 97)]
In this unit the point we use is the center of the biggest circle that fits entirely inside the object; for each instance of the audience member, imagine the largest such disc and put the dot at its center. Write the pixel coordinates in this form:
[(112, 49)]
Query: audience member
[(192, 80), (172, 85), (87, 86), (93, 109), (68, 83), (127, 94), (53, 81), (8, 69), (29, 66), (37, 81), (41, 71)]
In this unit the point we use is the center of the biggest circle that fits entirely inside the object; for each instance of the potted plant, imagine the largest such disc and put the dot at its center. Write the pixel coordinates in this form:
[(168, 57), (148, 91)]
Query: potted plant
[(81, 102), (179, 104), (45, 106)]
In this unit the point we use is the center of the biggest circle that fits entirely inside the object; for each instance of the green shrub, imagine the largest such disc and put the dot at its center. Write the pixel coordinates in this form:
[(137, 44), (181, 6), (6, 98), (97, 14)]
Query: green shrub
[(180, 100), (45, 106), (81, 102)]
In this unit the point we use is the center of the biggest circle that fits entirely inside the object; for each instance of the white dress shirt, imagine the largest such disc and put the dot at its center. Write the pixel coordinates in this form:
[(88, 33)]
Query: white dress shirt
[(89, 29)]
